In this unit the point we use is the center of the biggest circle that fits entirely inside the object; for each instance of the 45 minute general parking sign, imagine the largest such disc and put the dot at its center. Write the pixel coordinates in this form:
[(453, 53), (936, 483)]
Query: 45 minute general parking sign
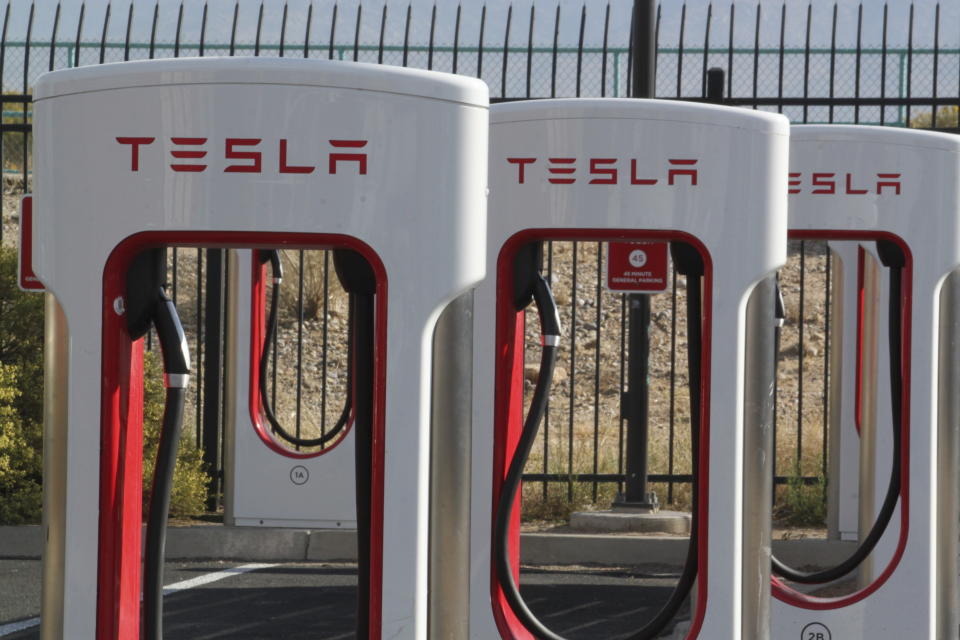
[(637, 267)]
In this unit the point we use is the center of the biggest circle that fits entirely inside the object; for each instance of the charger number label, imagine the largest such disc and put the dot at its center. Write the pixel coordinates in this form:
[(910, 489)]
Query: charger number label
[(299, 475), (815, 631)]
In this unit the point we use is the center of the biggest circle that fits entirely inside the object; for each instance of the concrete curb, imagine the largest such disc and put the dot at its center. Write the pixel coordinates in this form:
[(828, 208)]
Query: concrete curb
[(332, 545), (21, 542), (255, 544), (602, 548), (298, 545), (813, 553), (617, 521)]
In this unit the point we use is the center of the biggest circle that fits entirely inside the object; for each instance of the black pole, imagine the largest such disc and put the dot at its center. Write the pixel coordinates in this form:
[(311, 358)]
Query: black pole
[(212, 373), (636, 406), (715, 84), (643, 49), (635, 403)]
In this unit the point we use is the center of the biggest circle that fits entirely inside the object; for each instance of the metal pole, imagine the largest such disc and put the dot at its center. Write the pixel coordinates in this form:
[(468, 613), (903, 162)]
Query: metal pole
[(636, 402), (636, 405), (715, 84), (643, 49), (212, 370)]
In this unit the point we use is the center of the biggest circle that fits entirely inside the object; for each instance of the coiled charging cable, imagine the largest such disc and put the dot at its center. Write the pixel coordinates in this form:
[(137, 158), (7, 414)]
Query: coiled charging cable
[(892, 257), (273, 256)]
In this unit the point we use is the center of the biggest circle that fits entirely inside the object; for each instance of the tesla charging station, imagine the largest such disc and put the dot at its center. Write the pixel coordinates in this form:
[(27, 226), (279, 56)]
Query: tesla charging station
[(268, 482), (897, 191), (696, 176), (381, 162)]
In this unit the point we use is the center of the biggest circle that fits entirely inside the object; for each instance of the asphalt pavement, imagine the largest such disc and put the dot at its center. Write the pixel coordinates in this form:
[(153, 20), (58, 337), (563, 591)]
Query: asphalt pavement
[(241, 601), (19, 590)]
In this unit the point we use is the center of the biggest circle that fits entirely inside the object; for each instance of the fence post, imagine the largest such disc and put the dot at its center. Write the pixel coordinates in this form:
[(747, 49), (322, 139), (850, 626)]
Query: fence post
[(635, 403)]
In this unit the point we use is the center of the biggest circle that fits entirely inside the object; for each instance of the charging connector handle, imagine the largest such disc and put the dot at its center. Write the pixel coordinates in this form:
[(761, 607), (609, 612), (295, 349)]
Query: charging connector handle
[(276, 266), (173, 343), (550, 329)]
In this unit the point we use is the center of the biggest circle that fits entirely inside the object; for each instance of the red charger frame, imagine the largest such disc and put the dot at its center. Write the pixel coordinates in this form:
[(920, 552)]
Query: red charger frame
[(858, 371), (783, 591), (121, 426), (509, 409)]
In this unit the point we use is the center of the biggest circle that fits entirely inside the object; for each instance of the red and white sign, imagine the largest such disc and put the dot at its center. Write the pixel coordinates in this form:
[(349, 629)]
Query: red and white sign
[(27, 279), (640, 267)]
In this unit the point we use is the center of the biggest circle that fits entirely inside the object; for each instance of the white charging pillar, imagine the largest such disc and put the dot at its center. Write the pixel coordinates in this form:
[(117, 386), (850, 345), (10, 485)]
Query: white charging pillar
[(258, 152), (266, 481), (868, 184), (849, 266), (597, 170)]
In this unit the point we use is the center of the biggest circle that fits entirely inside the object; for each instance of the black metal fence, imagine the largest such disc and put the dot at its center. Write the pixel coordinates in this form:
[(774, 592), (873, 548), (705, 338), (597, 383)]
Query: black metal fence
[(536, 51)]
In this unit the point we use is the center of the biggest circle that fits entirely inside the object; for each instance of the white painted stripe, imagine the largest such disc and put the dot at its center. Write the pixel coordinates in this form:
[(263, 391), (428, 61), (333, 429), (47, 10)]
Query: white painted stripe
[(14, 627), (183, 585), (213, 577)]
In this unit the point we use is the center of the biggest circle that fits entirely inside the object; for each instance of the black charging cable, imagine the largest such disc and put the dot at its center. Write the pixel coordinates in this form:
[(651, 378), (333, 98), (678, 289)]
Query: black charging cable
[(273, 256), (176, 376), (360, 282), (550, 340), (892, 257), (363, 306), (690, 263)]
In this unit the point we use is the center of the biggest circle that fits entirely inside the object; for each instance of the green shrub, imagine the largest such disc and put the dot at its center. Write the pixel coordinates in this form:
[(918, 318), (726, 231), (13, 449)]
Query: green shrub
[(190, 482), (801, 504), (947, 116), (21, 397), (21, 469), (21, 338), (21, 412)]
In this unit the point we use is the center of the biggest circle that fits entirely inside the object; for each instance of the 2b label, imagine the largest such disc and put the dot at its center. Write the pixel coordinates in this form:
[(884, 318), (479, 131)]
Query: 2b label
[(815, 631)]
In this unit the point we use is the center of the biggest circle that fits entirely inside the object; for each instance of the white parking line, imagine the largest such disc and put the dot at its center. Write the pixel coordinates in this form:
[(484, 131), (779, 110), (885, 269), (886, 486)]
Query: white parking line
[(183, 585), (14, 627)]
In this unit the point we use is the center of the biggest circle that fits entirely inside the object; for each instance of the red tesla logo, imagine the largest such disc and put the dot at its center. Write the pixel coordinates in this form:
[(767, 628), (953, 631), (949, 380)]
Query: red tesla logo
[(563, 170), (245, 155), (833, 183)]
